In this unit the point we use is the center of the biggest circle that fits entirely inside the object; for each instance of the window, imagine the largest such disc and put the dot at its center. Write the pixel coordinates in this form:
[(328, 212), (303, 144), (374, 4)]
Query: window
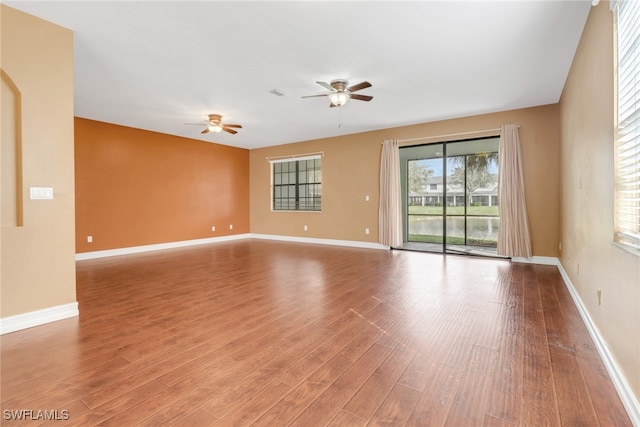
[(627, 146), (297, 184)]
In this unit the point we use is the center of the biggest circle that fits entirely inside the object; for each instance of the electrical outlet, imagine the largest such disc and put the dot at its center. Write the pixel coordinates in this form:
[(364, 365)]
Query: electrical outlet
[(89, 239), (213, 228), (366, 198), (230, 226), (305, 228), (366, 231)]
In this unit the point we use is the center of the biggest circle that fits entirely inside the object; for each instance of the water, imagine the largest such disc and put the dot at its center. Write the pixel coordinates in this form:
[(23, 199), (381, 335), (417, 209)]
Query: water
[(480, 230)]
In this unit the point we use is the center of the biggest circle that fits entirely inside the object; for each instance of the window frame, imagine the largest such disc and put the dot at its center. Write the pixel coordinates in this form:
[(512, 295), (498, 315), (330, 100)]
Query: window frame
[(627, 126), (307, 195)]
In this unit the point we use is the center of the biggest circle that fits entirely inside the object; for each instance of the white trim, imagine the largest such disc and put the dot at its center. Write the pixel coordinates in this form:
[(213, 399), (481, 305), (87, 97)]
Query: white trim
[(629, 249), (171, 245), (295, 158), (612, 5), (38, 317), (629, 400), (480, 133), (544, 260), (147, 248), (350, 243)]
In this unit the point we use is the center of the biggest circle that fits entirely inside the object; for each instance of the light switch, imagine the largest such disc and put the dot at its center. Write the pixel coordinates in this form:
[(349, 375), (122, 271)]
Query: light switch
[(41, 193)]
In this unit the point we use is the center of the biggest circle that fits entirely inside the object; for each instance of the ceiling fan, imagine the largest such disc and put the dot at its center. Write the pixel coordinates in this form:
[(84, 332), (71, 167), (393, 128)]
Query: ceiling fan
[(341, 92), (214, 124)]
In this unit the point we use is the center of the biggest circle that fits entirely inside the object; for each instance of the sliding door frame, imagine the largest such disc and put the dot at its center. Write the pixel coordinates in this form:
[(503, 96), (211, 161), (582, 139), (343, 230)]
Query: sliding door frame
[(444, 157)]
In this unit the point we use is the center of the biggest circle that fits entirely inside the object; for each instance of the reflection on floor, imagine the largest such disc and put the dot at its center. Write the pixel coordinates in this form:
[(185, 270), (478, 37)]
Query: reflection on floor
[(455, 249)]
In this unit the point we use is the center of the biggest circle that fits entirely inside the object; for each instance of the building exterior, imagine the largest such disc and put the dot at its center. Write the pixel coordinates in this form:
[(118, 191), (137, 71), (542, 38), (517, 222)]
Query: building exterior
[(433, 194)]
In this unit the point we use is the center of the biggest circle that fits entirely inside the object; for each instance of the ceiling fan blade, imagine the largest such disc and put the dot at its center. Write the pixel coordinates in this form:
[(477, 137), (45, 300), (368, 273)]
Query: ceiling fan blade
[(315, 96), (361, 97), (231, 131), (232, 126), (326, 86), (359, 86), (206, 130)]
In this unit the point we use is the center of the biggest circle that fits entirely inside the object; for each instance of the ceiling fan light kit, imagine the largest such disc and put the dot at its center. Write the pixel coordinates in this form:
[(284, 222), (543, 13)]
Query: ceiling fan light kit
[(338, 98), (340, 92), (214, 124)]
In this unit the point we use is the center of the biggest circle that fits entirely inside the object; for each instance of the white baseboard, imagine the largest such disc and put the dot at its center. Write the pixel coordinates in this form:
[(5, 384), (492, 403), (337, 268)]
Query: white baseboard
[(317, 241), (156, 247), (629, 400), (148, 248), (544, 260), (38, 317)]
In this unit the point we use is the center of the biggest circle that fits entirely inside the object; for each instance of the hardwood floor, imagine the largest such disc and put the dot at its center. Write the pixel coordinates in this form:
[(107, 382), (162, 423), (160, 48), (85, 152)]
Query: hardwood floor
[(266, 333)]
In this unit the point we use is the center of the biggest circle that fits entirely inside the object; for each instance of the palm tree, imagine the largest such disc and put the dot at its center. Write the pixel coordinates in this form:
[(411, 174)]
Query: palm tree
[(474, 170), (478, 161)]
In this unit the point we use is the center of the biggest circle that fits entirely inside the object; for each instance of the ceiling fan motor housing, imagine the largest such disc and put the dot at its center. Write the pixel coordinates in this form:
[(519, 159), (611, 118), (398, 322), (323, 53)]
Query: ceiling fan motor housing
[(339, 84), (215, 118)]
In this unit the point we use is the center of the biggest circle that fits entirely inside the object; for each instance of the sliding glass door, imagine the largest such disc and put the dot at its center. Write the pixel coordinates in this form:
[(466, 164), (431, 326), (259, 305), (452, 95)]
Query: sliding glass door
[(423, 195), (450, 195)]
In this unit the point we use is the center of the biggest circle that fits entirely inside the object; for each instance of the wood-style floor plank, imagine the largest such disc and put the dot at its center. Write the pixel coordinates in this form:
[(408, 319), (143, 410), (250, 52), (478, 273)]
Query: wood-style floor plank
[(368, 398), (539, 401), (325, 406), (265, 333), (396, 408), (345, 418)]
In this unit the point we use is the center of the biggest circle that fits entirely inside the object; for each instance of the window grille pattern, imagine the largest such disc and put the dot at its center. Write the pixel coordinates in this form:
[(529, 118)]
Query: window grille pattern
[(297, 185)]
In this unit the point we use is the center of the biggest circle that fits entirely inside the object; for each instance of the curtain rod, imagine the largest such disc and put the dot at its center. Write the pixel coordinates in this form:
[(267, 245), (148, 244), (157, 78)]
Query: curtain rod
[(295, 156), (449, 135)]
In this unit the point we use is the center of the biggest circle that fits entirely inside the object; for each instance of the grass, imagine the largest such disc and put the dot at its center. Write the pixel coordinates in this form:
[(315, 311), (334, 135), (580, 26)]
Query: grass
[(427, 238), (454, 210)]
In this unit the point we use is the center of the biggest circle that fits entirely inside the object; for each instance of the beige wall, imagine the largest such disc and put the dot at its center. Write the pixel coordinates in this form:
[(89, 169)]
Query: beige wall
[(351, 166), (38, 267), (588, 255)]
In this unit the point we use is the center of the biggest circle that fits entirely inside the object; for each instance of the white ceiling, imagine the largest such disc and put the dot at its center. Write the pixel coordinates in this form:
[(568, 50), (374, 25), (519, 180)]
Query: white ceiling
[(156, 65)]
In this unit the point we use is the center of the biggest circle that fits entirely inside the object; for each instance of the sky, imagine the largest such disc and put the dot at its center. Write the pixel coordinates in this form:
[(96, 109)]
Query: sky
[(436, 166)]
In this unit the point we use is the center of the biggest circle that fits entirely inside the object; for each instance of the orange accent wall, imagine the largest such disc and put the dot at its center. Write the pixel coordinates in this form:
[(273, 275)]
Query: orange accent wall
[(136, 187)]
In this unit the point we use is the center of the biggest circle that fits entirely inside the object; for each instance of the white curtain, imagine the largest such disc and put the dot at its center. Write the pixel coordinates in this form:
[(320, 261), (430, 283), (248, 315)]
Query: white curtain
[(390, 210), (513, 234)]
